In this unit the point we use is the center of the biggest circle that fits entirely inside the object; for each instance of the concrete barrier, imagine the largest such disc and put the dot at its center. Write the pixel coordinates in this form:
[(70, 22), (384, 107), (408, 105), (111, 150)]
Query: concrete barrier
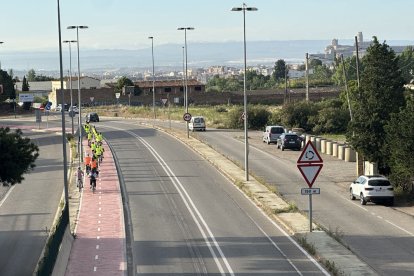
[(341, 152), (335, 149), (323, 145), (328, 149), (318, 143), (350, 155), (313, 140), (308, 138), (64, 253)]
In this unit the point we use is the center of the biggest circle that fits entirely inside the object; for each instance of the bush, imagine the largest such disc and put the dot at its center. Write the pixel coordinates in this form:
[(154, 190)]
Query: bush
[(297, 115), (330, 120), (258, 117), (234, 118)]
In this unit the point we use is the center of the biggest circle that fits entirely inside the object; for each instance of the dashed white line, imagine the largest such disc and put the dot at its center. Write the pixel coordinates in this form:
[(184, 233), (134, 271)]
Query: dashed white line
[(99, 229), (94, 269), (97, 246), (96, 257)]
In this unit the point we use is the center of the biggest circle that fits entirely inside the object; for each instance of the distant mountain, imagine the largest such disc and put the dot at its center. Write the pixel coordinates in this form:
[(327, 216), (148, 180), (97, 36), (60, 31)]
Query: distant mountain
[(170, 56)]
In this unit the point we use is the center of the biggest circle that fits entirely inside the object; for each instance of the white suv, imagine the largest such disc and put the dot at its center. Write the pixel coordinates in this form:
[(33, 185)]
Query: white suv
[(372, 188)]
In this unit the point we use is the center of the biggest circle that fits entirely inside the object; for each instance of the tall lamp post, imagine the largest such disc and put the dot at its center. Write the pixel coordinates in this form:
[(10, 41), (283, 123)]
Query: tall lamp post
[(70, 75), (244, 8), (153, 77), (186, 77), (79, 94), (65, 169)]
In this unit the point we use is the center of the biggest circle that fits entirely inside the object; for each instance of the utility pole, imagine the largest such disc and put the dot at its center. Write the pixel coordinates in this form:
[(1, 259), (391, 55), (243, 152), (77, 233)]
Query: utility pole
[(360, 158), (357, 60), (307, 76), (286, 83), (346, 86)]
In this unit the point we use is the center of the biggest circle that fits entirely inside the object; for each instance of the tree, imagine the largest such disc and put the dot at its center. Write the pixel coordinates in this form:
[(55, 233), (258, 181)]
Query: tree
[(406, 64), (8, 86), (17, 156), (315, 62), (25, 84), (381, 94), (280, 70), (400, 140), (123, 81), (31, 75)]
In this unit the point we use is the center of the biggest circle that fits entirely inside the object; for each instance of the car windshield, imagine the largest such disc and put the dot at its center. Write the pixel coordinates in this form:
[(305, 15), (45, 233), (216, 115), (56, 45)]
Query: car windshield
[(198, 120), (277, 130), (379, 182)]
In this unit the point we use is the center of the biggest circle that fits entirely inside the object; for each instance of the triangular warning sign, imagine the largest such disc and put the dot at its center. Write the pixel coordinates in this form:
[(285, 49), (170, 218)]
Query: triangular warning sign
[(310, 172), (309, 155)]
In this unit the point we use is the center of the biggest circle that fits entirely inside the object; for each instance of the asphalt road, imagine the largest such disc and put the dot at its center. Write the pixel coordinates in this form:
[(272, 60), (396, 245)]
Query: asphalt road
[(190, 220), (27, 210), (381, 236)]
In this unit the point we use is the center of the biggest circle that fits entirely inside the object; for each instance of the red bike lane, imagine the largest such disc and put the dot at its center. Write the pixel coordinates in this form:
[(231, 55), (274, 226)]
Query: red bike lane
[(100, 246)]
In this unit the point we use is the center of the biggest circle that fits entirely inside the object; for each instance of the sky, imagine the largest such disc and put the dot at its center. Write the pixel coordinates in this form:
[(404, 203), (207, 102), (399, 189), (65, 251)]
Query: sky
[(31, 25)]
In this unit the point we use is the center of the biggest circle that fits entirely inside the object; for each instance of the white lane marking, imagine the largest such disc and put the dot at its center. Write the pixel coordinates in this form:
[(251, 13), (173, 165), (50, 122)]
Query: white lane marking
[(97, 246), (98, 237), (187, 202), (274, 244), (100, 215), (402, 229), (99, 221), (381, 218), (96, 257), (7, 195), (94, 269), (99, 229), (285, 234), (99, 208)]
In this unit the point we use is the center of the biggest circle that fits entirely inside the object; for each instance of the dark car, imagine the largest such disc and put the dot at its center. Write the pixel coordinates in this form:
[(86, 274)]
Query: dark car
[(92, 117), (289, 141)]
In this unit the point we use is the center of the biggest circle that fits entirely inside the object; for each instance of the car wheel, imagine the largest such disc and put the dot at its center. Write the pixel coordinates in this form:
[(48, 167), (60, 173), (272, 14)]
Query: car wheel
[(282, 148), (351, 195), (362, 199)]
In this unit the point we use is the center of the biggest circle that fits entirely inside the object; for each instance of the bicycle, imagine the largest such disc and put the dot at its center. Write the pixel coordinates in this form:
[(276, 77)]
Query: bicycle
[(80, 185)]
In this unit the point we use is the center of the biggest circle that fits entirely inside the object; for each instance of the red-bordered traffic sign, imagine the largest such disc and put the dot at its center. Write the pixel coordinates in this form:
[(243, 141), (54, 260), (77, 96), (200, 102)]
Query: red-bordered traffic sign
[(309, 155), (187, 117), (310, 172)]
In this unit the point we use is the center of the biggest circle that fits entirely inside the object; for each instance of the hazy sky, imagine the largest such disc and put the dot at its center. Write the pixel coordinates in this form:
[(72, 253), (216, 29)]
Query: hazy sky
[(126, 24)]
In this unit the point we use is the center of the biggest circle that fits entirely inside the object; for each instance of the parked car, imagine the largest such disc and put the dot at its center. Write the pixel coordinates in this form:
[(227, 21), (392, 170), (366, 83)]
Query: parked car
[(374, 188), (272, 133), (197, 123), (59, 107), (92, 117), (289, 141), (74, 109)]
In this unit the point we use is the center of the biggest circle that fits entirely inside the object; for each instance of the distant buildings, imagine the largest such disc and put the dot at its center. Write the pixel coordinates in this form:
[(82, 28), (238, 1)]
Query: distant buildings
[(336, 49)]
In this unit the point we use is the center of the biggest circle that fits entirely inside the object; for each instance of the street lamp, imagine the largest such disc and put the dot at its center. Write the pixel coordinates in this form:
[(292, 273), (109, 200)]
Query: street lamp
[(153, 77), (65, 168), (70, 75), (79, 94), (186, 80), (244, 8)]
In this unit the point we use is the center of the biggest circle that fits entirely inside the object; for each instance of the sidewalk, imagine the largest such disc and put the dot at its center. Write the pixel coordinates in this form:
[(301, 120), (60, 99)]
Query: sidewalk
[(99, 246)]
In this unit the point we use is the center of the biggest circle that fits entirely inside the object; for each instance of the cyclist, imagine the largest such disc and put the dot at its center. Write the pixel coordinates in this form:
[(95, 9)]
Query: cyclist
[(93, 176), (88, 160), (79, 176)]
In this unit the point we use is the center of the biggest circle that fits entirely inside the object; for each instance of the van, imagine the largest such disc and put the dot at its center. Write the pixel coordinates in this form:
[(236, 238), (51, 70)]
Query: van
[(197, 123), (272, 133)]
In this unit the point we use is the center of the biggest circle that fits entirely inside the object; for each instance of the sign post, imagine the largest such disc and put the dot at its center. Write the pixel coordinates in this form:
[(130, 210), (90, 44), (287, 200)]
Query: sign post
[(310, 164)]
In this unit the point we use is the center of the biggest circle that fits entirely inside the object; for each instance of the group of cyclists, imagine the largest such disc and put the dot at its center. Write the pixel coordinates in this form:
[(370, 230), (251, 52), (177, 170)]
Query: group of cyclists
[(93, 160)]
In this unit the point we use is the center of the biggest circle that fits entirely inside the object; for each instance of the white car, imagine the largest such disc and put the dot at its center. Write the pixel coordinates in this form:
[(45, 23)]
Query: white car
[(197, 123), (272, 133), (372, 188)]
